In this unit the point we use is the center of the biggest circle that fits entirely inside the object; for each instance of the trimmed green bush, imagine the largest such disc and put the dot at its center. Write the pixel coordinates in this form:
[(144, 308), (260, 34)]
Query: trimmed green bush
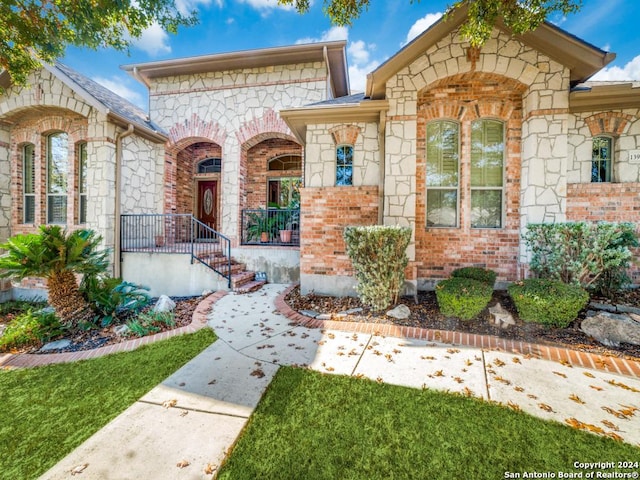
[(31, 328), (592, 255), (549, 302), (378, 255), (476, 273), (461, 297)]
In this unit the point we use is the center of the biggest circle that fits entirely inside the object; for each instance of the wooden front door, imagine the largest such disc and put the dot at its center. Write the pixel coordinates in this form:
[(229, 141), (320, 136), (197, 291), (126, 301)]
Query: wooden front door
[(208, 203)]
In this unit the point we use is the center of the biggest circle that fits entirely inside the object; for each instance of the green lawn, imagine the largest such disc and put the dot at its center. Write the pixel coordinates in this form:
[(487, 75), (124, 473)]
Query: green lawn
[(46, 412), (314, 426)]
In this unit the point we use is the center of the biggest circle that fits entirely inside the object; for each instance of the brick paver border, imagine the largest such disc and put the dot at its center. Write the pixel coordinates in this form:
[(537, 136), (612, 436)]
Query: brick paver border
[(198, 321), (611, 364)]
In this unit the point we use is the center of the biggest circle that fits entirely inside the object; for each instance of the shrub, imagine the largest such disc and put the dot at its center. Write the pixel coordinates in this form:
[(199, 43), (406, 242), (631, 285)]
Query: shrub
[(150, 322), (378, 255), (549, 302), (19, 306), (31, 328), (461, 297), (111, 298), (594, 256), (476, 273)]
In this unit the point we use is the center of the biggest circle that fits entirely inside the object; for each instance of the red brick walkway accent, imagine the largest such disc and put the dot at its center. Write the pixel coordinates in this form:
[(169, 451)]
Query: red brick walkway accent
[(198, 320), (621, 366)]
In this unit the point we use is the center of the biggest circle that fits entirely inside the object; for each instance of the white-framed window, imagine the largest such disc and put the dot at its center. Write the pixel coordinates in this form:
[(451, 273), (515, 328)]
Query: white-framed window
[(57, 148), (487, 173), (344, 165), (82, 182), (28, 184), (442, 177), (601, 159), (284, 192)]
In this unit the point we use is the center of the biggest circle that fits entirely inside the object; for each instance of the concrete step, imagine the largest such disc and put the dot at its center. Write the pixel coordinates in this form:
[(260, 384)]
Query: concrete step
[(242, 278)]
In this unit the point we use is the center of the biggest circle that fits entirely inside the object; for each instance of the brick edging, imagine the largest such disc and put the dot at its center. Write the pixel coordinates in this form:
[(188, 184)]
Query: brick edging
[(622, 366), (198, 321)]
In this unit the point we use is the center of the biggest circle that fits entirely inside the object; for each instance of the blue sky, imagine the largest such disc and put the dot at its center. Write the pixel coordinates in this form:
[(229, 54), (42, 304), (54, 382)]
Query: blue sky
[(230, 25)]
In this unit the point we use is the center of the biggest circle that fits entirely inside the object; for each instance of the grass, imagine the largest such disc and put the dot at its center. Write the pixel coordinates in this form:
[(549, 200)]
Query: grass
[(314, 426), (48, 411)]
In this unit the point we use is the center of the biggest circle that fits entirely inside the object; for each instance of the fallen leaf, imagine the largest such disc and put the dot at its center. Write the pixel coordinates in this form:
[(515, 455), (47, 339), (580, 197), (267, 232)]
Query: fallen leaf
[(257, 373), (498, 378), (518, 389), (576, 399), (498, 363), (610, 425), (439, 373), (587, 374), (458, 379), (622, 385), (184, 413), (467, 392), (209, 469), (545, 407), (560, 374), (169, 403), (182, 464), (79, 469), (516, 360), (453, 350), (566, 363), (427, 358), (614, 436), (514, 406)]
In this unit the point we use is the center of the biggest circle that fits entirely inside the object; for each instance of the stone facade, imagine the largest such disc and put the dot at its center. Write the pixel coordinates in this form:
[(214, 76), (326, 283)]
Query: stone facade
[(236, 110)]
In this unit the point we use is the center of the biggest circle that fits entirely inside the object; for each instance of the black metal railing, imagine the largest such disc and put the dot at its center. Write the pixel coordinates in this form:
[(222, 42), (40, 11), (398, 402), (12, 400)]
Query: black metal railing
[(270, 227), (176, 233)]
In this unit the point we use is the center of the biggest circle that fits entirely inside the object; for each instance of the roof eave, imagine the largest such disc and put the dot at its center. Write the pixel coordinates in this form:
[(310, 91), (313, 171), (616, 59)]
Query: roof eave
[(604, 97), (298, 118)]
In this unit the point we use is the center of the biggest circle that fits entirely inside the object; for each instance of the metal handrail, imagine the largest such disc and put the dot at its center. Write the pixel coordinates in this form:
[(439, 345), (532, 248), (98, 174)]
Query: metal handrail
[(177, 233)]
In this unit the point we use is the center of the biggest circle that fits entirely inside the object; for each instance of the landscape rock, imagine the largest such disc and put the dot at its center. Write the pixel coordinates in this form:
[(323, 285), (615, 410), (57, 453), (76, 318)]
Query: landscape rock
[(612, 329), (57, 345), (324, 316), (2, 327), (309, 313), (351, 311), (164, 304), (603, 306), (501, 317), (635, 317), (121, 330), (401, 312), (628, 309)]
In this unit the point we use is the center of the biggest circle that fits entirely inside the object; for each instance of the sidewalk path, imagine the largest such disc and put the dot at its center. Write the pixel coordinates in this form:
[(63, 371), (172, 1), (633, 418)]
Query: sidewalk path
[(183, 428)]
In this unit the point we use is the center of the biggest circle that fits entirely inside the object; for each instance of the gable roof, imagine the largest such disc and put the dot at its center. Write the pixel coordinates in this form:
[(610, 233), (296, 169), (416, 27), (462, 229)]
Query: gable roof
[(119, 110), (333, 53), (582, 58)]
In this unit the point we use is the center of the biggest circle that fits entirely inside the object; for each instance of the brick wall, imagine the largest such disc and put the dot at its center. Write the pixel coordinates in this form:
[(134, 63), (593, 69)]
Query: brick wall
[(609, 202), (257, 174), (464, 98), (186, 162), (324, 213)]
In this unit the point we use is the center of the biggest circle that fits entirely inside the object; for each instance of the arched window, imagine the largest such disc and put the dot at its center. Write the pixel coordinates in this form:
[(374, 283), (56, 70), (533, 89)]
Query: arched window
[(285, 162), (57, 177), (344, 165), (443, 147), (601, 159), (28, 184), (210, 165), (487, 173)]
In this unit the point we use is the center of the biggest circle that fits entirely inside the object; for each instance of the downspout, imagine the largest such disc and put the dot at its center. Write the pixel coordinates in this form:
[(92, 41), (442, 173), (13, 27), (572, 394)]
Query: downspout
[(118, 196), (382, 124), (325, 54)]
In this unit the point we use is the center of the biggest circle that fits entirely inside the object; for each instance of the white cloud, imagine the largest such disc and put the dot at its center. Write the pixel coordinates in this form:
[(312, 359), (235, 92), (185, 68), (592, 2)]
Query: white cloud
[(154, 40), (421, 25), (116, 85), (266, 4), (185, 7), (358, 51), (334, 33), (631, 71), (358, 75)]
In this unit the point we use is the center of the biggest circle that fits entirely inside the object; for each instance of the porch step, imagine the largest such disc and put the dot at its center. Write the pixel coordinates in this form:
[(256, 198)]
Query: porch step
[(242, 278), (250, 287)]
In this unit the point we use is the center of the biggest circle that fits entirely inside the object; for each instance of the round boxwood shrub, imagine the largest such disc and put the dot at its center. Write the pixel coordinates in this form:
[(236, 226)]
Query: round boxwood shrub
[(476, 273), (464, 298), (548, 302)]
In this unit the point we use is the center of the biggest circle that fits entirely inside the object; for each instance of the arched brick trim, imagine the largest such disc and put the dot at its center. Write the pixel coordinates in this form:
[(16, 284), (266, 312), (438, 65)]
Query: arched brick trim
[(196, 128), (612, 123), (252, 142), (345, 134), (269, 123)]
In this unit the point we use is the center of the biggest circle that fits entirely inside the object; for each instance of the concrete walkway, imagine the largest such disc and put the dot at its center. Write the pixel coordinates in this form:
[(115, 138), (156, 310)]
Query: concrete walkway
[(183, 428)]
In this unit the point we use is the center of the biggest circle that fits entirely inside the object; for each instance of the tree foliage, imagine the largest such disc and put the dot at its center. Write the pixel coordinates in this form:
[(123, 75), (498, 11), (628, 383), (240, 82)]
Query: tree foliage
[(519, 15), (35, 31)]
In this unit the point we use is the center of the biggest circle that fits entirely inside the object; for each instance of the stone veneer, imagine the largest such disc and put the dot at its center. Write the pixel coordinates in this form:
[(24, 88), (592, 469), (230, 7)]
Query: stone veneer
[(236, 110)]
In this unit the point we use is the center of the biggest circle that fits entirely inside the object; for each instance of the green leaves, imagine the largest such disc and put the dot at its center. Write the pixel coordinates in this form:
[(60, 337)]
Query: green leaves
[(34, 31), (378, 255)]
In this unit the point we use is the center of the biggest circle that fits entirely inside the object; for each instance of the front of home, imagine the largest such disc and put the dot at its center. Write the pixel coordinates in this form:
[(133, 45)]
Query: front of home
[(465, 146)]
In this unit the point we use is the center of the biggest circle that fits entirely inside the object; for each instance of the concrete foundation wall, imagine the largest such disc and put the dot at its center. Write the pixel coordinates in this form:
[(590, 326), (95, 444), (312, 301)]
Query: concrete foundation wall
[(170, 274), (333, 285), (282, 265)]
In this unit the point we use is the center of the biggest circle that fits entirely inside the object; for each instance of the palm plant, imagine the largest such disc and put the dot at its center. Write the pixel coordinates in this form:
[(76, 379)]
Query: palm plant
[(57, 256)]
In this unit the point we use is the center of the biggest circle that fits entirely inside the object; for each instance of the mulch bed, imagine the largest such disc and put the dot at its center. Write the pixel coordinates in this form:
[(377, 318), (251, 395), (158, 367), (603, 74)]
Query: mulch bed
[(96, 338), (425, 314)]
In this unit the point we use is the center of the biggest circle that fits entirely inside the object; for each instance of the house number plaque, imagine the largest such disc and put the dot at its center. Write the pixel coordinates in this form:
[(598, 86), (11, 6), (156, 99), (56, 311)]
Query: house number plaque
[(634, 156)]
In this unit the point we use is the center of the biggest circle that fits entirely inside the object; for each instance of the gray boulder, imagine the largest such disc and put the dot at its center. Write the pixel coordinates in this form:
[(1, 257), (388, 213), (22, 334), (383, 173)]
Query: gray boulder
[(164, 304), (401, 312), (612, 329), (501, 317)]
